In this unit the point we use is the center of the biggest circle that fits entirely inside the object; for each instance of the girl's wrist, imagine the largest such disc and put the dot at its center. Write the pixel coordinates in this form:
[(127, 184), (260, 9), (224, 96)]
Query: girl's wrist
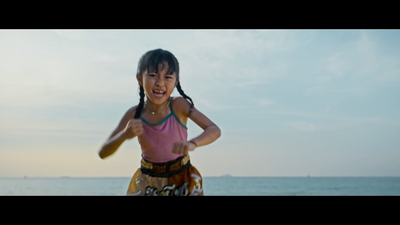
[(124, 135), (194, 143)]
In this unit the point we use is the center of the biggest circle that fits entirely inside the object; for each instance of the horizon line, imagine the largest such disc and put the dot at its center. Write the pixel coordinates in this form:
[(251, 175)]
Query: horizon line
[(217, 176)]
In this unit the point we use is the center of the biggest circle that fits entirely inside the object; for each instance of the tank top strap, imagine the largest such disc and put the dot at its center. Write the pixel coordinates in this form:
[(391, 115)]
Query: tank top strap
[(177, 119)]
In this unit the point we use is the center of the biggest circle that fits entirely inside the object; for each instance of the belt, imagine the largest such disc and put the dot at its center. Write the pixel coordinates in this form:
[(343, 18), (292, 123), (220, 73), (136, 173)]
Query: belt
[(165, 169)]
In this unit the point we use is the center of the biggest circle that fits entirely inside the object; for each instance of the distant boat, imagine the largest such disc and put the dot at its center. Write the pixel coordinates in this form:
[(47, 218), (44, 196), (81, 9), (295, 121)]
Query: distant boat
[(25, 177), (65, 176)]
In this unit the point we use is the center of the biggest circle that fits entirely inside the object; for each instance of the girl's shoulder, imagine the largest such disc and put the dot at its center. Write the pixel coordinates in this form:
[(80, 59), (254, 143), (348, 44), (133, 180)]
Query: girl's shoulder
[(177, 99), (132, 110), (180, 105), (130, 113), (180, 102)]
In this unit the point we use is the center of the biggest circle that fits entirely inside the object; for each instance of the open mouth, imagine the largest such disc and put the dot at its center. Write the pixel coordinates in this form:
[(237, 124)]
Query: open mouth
[(158, 93)]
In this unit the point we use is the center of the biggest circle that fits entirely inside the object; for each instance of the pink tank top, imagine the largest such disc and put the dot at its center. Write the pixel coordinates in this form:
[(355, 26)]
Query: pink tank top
[(157, 139)]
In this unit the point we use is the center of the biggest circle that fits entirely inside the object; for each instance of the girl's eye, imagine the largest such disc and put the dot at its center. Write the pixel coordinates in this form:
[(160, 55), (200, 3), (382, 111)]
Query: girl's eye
[(169, 77)]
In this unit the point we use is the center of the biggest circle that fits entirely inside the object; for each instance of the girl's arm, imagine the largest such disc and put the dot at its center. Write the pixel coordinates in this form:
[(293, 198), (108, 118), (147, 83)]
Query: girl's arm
[(211, 130), (126, 129)]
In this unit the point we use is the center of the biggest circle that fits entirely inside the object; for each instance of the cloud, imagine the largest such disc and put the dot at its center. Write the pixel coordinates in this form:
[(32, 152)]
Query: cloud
[(357, 69), (337, 65), (226, 44), (321, 126), (264, 102), (73, 34), (326, 116), (391, 75), (334, 91), (302, 126)]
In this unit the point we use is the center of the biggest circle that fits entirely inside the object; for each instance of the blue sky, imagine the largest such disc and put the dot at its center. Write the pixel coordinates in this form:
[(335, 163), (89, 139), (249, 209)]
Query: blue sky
[(288, 102)]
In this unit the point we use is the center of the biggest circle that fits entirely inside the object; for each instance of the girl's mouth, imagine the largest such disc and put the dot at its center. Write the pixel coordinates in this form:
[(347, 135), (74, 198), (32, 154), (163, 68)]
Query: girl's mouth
[(158, 93)]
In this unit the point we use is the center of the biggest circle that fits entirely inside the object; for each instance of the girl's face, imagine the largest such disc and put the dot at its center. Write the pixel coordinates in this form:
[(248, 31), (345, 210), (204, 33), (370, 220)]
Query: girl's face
[(159, 86)]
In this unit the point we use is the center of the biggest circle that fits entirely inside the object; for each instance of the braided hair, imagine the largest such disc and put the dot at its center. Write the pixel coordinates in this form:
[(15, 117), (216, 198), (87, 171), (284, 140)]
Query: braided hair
[(149, 62)]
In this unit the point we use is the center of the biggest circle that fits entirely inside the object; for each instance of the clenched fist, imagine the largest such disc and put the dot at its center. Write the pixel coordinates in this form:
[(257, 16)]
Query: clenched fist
[(182, 148), (133, 128)]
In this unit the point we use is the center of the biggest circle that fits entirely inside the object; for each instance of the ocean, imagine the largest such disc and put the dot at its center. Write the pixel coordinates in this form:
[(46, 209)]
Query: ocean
[(212, 186)]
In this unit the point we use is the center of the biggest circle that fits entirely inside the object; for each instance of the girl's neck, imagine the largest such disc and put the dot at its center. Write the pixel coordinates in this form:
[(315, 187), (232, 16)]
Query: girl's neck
[(156, 109)]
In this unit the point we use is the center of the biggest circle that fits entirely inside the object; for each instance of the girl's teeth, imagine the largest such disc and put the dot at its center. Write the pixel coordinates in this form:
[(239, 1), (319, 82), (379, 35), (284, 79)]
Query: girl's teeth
[(159, 94)]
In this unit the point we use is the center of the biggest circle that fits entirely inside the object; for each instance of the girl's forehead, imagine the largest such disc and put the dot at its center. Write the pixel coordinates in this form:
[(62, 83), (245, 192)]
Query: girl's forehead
[(162, 68)]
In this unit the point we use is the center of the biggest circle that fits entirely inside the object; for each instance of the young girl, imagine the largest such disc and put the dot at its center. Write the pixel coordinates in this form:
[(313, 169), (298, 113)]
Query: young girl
[(159, 123)]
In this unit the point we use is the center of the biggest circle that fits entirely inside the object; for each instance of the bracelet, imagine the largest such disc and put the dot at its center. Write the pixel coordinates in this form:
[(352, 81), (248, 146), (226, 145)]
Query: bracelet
[(193, 143)]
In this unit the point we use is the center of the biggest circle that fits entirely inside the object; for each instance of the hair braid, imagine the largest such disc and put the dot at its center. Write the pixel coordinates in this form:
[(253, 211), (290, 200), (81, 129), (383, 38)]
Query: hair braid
[(141, 103), (186, 97)]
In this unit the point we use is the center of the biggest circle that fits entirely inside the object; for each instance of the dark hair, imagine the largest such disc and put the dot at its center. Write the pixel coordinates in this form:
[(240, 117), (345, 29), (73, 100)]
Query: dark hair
[(149, 62)]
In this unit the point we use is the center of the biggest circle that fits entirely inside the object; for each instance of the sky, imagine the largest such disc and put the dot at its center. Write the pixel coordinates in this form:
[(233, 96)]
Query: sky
[(288, 102)]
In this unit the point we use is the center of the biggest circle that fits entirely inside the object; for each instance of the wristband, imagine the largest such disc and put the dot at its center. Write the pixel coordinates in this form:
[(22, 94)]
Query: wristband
[(193, 143)]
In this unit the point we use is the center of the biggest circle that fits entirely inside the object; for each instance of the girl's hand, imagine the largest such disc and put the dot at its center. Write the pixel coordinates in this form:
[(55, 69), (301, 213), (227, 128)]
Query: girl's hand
[(133, 128), (182, 148)]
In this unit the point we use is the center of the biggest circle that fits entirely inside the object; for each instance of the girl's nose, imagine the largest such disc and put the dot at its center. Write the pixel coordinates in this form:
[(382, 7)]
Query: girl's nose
[(159, 82)]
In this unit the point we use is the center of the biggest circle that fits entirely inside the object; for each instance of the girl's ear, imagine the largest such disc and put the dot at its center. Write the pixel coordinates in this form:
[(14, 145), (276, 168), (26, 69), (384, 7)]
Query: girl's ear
[(139, 79), (176, 83)]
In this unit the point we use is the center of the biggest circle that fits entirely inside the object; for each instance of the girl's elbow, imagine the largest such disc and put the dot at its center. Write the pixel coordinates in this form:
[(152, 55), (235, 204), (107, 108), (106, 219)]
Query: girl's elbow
[(217, 132), (102, 154)]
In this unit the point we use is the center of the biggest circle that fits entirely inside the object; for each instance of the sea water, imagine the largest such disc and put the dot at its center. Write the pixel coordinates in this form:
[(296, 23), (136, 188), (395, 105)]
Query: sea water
[(231, 186)]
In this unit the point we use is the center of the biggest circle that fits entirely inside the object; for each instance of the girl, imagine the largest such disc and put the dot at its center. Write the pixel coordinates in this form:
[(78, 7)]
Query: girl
[(159, 123)]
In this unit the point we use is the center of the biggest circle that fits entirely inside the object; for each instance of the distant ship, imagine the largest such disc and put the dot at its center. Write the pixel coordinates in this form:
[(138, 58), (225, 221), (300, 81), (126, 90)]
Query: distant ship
[(65, 176)]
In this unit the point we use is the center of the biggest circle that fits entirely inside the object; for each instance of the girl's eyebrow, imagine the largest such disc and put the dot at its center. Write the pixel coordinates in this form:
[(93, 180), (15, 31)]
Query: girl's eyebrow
[(172, 74)]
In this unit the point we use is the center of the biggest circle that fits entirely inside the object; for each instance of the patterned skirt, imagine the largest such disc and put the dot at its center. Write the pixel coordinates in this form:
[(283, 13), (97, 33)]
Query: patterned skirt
[(174, 178)]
